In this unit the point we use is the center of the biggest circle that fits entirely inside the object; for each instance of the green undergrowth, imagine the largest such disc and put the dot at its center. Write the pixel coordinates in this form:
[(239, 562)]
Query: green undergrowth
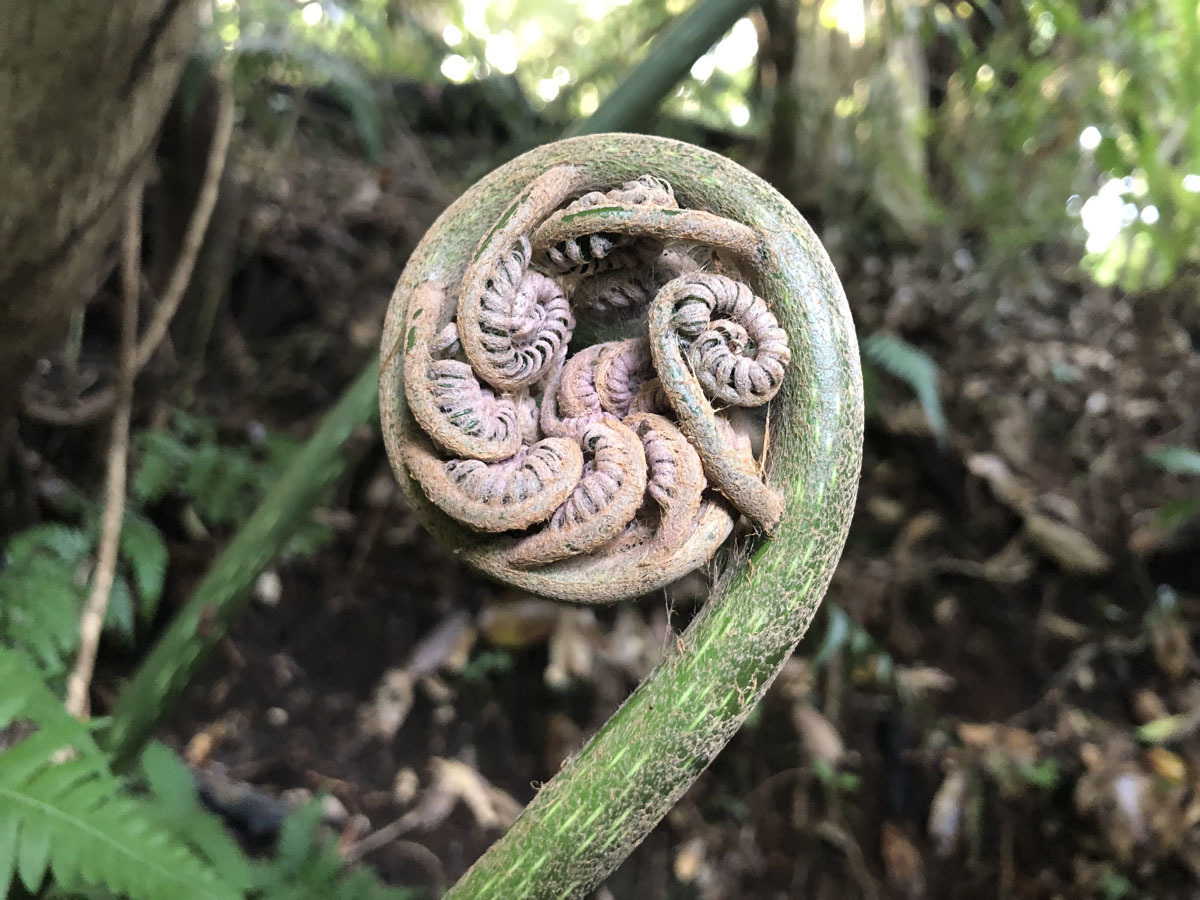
[(71, 828), (186, 477)]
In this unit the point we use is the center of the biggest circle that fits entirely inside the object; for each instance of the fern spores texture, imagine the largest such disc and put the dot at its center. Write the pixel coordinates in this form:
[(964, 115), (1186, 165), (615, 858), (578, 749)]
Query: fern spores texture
[(583, 468)]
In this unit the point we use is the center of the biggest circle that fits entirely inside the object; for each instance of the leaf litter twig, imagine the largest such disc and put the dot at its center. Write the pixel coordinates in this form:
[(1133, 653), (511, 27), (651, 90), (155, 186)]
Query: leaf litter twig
[(92, 620), (193, 238)]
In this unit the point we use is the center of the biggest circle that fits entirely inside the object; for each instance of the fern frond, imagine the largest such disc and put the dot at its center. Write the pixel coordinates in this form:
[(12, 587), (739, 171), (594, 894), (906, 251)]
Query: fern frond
[(306, 866), (178, 805), (43, 585), (143, 549), (41, 593), (221, 481), (1175, 460), (71, 817), (51, 538), (913, 366), (163, 459), (118, 618)]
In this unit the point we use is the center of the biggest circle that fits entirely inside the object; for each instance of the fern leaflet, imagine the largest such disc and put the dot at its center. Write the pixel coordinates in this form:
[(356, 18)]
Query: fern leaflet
[(71, 817), (913, 366)]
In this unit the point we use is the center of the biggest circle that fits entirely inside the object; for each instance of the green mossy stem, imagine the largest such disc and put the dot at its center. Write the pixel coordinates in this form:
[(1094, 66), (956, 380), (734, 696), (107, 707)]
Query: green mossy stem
[(604, 801)]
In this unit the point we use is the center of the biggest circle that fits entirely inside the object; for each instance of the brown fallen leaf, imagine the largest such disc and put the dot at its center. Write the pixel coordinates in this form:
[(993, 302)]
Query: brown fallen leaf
[(202, 744), (492, 807), (1116, 800), (518, 621), (919, 527), (1148, 706), (447, 646), (1070, 548), (1166, 764), (1063, 543), (1171, 641), (1061, 627), (689, 860), (819, 736), (921, 681), (405, 786), (572, 647), (389, 706), (1000, 746), (1010, 565), (902, 862), (453, 782), (948, 813), (1011, 490)]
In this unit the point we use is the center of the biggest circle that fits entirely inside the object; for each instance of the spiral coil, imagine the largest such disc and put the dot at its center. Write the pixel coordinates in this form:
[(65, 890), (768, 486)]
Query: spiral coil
[(604, 471)]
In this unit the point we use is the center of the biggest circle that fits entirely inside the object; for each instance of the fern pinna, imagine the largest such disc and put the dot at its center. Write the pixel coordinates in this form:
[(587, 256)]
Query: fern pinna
[(62, 811)]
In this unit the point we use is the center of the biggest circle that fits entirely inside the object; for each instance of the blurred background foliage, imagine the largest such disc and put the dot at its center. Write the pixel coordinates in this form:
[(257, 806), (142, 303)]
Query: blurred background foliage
[(1005, 129)]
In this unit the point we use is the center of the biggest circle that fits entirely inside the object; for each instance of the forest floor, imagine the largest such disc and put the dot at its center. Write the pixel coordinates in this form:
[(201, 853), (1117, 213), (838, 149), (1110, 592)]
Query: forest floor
[(1000, 698)]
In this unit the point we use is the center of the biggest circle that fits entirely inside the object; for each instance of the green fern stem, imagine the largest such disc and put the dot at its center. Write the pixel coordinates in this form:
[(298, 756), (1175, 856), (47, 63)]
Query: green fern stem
[(606, 800)]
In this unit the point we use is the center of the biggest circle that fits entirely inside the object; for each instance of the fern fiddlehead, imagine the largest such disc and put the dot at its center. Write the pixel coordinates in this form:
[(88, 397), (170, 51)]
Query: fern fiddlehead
[(740, 302)]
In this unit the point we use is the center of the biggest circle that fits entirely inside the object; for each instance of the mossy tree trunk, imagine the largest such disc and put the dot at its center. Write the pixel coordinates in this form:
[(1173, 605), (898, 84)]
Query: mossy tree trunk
[(84, 86)]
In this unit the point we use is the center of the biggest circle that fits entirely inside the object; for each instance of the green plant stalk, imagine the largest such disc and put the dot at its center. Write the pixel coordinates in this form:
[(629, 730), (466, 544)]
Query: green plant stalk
[(221, 595), (670, 57), (605, 801)]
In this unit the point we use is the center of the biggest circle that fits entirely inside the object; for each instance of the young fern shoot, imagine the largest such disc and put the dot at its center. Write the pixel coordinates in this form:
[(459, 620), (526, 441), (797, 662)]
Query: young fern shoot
[(598, 473)]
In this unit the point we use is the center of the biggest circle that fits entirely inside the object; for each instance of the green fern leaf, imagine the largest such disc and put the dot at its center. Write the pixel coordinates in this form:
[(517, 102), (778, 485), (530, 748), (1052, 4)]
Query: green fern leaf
[(163, 459), (913, 366), (229, 489), (72, 818), (306, 866), (118, 618), (175, 790), (205, 472), (41, 593), (33, 852), (8, 852), (61, 542), (143, 549)]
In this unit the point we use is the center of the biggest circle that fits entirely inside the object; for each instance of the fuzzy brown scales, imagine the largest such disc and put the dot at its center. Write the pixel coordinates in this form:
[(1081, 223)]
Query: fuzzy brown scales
[(594, 472), (622, 367), (627, 291), (604, 801), (592, 252), (675, 478)]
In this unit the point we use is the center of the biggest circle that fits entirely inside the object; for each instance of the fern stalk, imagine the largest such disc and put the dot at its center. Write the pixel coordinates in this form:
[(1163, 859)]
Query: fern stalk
[(670, 57)]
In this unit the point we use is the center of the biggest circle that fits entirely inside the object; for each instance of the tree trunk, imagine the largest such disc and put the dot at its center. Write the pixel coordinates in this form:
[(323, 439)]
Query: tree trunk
[(84, 86)]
